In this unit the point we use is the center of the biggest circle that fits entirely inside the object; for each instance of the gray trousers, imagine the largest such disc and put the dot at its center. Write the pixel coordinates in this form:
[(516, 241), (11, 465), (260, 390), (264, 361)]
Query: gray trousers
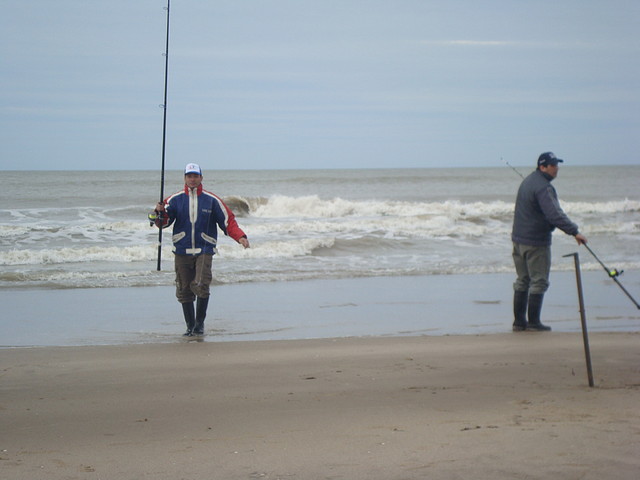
[(533, 265), (193, 276)]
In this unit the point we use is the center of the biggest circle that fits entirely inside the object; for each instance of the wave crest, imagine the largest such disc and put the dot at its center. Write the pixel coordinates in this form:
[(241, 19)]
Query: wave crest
[(312, 206)]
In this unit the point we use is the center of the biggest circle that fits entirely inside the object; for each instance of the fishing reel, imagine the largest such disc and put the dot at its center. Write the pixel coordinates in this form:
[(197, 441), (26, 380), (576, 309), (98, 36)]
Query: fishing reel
[(615, 273), (154, 217)]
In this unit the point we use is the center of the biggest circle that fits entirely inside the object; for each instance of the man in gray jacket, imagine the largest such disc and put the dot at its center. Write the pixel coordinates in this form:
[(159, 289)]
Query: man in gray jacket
[(537, 215)]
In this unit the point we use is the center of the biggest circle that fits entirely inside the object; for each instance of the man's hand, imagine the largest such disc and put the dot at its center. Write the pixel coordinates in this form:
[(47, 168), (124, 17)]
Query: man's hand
[(244, 242), (581, 239), (160, 207)]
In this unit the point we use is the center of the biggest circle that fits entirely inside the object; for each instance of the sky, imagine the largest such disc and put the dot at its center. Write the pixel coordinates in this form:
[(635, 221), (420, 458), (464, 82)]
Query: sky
[(279, 84)]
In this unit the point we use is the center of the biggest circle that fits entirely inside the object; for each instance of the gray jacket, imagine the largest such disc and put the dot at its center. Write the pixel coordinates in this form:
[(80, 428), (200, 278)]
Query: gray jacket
[(538, 212)]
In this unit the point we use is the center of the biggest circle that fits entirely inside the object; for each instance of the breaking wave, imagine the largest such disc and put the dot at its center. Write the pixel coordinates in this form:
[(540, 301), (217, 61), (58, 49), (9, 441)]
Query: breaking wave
[(293, 237)]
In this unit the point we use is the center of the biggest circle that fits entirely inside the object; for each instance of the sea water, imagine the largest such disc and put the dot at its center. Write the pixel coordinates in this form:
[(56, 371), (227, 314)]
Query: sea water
[(310, 231), (89, 229)]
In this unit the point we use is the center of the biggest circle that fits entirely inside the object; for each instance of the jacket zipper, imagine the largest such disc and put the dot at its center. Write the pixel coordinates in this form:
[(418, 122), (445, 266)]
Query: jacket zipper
[(193, 214)]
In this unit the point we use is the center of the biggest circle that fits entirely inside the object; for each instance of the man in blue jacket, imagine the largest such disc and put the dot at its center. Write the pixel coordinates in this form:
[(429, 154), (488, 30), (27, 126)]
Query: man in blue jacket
[(537, 215), (196, 215)]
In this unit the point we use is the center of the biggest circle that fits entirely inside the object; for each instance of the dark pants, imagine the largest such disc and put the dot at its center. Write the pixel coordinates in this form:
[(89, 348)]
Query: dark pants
[(533, 265), (193, 276)]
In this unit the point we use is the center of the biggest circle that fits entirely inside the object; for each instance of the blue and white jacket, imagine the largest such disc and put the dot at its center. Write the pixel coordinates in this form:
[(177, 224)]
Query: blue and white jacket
[(196, 215)]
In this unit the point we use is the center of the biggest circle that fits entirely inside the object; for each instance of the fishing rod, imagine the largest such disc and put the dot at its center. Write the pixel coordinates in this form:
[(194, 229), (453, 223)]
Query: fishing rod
[(512, 168), (164, 132), (613, 274)]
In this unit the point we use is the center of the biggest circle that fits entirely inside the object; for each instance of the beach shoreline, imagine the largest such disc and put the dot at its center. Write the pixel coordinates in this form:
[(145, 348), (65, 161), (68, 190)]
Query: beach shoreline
[(498, 406), (320, 308)]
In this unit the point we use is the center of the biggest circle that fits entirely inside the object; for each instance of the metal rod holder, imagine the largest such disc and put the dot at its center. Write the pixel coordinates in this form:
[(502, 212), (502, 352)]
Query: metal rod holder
[(583, 320)]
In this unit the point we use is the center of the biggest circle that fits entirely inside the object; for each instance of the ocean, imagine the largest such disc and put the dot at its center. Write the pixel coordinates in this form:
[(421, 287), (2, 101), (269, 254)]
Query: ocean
[(333, 253), (89, 229)]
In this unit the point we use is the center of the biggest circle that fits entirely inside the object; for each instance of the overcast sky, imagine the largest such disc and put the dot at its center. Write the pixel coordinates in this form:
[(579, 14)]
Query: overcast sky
[(264, 84)]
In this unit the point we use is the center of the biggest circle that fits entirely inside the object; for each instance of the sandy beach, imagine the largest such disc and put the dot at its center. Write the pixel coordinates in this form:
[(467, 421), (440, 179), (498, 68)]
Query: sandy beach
[(499, 406)]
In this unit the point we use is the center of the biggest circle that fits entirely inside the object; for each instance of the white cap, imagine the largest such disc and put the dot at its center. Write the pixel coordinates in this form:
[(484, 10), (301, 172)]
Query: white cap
[(192, 168)]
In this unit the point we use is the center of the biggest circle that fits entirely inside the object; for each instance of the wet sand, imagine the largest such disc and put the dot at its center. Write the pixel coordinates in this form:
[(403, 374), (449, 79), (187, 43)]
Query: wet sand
[(321, 308)]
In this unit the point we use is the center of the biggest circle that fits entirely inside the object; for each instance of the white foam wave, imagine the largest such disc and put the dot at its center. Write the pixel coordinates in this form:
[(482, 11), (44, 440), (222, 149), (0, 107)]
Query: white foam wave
[(273, 269), (312, 206), (386, 227), (619, 228), (620, 206), (277, 249), (147, 253), (295, 238), (77, 255), (8, 231), (71, 229)]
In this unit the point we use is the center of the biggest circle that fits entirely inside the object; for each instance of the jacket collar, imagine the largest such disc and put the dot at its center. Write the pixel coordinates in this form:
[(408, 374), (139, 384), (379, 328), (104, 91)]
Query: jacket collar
[(199, 189), (545, 175)]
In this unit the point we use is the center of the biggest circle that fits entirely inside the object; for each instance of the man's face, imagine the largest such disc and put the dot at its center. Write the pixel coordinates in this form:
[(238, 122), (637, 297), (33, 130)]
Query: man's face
[(550, 170), (192, 180)]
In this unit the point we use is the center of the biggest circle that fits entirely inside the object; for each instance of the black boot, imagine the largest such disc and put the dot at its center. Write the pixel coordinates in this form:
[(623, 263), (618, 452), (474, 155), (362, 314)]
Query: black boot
[(189, 317), (520, 311), (535, 307), (201, 313)]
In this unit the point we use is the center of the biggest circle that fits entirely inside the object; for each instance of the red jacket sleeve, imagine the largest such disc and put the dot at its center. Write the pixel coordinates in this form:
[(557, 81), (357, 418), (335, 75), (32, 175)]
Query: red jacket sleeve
[(232, 228)]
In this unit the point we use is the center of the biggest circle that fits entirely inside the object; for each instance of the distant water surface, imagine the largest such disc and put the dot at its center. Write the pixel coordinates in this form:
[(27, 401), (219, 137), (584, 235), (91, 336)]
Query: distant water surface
[(89, 229)]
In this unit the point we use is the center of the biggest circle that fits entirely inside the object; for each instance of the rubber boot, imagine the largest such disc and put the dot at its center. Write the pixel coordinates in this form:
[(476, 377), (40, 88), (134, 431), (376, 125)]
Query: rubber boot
[(520, 311), (535, 307), (201, 313), (189, 317)]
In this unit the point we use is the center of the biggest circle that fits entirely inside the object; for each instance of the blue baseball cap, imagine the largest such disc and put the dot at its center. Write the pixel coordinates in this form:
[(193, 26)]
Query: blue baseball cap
[(548, 158)]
